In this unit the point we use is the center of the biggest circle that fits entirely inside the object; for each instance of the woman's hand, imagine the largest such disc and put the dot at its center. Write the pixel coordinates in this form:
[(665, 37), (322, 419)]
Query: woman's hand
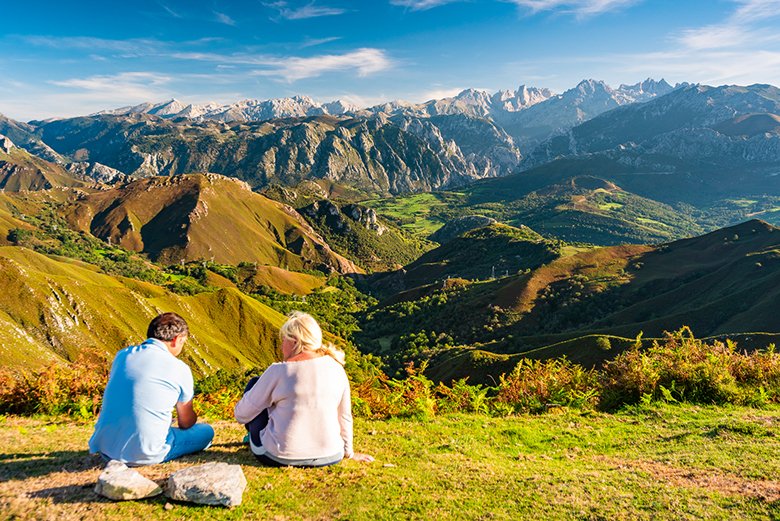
[(362, 457)]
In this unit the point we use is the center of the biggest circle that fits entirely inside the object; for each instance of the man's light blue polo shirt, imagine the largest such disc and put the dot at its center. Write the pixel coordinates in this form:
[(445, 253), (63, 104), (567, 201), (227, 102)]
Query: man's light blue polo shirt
[(145, 383)]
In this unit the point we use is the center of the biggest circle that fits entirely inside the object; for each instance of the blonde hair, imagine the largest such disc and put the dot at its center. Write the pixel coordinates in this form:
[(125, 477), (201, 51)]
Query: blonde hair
[(304, 330)]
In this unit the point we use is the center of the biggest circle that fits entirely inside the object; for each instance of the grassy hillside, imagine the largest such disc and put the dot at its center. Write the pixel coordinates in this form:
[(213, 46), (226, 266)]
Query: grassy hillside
[(488, 252), (203, 217), (724, 282), (21, 171), (355, 232), (570, 201), (54, 308), (668, 462)]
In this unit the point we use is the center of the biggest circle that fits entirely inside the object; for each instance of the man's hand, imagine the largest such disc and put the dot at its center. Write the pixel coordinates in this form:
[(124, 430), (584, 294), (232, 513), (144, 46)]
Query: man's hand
[(185, 415)]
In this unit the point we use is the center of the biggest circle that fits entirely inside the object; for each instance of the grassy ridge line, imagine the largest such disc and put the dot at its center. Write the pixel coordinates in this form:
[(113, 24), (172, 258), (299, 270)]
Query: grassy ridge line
[(480, 364), (66, 306), (668, 462)]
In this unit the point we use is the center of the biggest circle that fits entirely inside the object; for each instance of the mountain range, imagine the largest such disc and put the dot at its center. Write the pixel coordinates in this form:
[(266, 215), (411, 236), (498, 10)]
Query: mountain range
[(556, 112)]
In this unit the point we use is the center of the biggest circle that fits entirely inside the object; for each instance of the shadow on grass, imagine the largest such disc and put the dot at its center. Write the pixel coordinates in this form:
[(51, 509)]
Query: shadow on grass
[(70, 494), (34, 464)]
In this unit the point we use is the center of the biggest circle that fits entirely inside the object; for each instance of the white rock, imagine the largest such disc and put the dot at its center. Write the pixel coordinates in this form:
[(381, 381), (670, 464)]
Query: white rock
[(208, 484), (6, 144), (122, 483)]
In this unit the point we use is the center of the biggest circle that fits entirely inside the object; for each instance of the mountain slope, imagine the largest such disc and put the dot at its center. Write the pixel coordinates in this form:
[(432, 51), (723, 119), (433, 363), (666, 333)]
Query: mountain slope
[(356, 232), (380, 154), (203, 217), (724, 282), (587, 100), (52, 309), (692, 107), (483, 253), (22, 171)]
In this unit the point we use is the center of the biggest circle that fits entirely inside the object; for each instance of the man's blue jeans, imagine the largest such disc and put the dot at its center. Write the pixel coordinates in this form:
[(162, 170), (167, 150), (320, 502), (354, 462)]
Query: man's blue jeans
[(186, 441)]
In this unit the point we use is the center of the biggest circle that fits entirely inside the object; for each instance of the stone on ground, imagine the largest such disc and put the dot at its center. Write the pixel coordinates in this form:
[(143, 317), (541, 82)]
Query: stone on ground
[(119, 482), (209, 484)]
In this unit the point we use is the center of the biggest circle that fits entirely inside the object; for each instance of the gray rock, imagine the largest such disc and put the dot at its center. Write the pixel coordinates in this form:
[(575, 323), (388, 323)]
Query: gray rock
[(208, 484), (122, 483), (6, 144)]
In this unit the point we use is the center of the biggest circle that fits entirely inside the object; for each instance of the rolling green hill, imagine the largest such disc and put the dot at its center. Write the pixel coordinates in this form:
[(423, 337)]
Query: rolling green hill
[(483, 253), (52, 308), (568, 200), (722, 283)]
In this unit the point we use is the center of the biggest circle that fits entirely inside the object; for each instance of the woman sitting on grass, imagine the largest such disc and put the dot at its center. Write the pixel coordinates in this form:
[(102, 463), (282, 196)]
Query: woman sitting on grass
[(298, 412)]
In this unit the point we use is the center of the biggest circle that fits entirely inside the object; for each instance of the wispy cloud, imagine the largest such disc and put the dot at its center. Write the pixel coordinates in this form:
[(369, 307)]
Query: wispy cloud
[(132, 45), (170, 11), (421, 5), (310, 10), (439, 93), (365, 61), (746, 25), (580, 8), (313, 42), (223, 18), (125, 85), (576, 7)]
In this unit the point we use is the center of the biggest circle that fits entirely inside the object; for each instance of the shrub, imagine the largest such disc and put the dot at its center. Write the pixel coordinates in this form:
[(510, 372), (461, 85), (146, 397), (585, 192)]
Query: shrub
[(382, 397), (462, 397), (216, 395), (535, 386), (74, 389), (683, 368), (603, 343)]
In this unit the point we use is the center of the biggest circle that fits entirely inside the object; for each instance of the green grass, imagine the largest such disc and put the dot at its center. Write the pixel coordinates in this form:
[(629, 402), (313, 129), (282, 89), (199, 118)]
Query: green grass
[(420, 214), (610, 206), (669, 462)]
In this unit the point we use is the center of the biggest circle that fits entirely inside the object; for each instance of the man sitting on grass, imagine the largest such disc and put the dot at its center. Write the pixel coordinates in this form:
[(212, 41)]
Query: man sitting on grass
[(145, 383)]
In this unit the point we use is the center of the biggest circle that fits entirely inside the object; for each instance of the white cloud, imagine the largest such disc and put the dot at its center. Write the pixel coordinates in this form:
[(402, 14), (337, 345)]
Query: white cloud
[(170, 11), (421, 5), (745, 26), (125, 86), (133, 45), (581, 8), (224, 19), (577, 7), (313, 42), (309, 10), (79, 96), (364, 61), (711, 67), (437, 94)]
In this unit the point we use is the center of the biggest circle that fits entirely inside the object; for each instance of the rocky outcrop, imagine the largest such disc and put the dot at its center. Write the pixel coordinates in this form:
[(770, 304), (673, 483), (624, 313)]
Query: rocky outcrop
[(336, 218), (97, 172), (6, 145), (121, 483), (213, 483)]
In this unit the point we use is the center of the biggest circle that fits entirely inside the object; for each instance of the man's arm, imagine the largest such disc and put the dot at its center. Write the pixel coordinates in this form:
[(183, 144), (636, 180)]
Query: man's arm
[(185, 415)]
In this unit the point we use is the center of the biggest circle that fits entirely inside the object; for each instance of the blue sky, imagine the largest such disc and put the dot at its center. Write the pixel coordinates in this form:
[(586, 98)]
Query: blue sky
[(72, 58)]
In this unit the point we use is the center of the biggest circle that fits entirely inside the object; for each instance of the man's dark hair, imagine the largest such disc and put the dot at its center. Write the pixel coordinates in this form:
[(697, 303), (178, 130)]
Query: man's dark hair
[(167, 326)]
